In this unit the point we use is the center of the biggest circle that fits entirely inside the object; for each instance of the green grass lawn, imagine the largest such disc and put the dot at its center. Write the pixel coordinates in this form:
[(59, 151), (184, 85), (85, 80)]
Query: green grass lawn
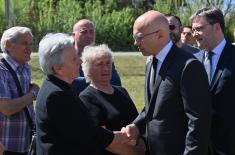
[(130, 68)]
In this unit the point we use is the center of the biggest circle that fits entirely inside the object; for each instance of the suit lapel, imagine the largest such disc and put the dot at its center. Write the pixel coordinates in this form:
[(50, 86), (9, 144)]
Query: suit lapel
[(200, 56), (147, 76), (222, 64), (162, 74), (215, 78)]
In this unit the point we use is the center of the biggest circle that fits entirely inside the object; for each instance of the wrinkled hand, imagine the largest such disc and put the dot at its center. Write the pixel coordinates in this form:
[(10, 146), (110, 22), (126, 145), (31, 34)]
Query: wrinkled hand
[(131, 131), (121, 137), (121, 143)]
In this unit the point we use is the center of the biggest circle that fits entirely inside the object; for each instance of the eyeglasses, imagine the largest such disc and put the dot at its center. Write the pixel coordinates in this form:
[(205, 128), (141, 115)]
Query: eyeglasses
[(172, 27), (140, 38), (199, 28)]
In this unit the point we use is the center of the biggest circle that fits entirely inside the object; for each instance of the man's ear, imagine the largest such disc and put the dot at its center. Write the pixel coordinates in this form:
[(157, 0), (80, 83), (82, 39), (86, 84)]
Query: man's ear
[(8, 44), (217, 27)]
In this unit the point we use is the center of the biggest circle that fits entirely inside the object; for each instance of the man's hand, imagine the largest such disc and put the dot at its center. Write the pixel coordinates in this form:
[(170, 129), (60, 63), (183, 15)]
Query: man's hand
[(120, 137), (34, 90), (131, 131), (121, 143)]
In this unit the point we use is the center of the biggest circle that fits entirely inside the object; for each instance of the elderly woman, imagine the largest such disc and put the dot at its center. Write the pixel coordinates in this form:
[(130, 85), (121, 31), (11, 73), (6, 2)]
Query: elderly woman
[(109, 105), (63, 124)]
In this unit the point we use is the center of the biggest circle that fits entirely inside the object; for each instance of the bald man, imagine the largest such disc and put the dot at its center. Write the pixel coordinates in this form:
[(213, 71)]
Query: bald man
[(83, 35), (176, 116)]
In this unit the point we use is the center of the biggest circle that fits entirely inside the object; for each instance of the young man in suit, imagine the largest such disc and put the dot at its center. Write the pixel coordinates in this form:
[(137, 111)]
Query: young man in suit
[(187, 36), (176, 116), (208, 28)]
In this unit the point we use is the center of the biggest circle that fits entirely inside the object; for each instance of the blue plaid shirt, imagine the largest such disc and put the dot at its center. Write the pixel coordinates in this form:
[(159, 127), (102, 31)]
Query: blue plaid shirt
[(14, 129)]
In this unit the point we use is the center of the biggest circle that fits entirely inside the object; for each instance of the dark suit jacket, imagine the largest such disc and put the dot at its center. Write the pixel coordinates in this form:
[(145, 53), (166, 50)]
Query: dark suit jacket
[(63, 124), (223, 102), (177, 116)]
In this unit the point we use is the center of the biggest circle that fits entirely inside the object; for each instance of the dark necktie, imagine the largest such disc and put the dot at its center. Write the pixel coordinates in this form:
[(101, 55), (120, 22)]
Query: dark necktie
[(208, 64), (153, 74)]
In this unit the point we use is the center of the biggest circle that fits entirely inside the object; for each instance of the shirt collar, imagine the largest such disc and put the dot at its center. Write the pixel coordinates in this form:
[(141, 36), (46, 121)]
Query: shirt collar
[(60, 83), (14, 65), (163, 53), (219, 48)]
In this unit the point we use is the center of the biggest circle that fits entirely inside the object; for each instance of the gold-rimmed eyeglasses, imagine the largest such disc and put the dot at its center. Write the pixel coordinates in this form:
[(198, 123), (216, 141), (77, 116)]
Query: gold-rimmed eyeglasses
[(140, 38), (199, 28)]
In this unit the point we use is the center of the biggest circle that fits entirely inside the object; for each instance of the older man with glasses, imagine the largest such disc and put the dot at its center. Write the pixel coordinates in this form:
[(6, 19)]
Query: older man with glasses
[(176, 116)]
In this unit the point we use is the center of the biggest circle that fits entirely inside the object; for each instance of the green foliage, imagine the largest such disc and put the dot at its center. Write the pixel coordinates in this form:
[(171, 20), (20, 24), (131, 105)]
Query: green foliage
[(3, 21), (113, 18), (118, 24), (185, 9)]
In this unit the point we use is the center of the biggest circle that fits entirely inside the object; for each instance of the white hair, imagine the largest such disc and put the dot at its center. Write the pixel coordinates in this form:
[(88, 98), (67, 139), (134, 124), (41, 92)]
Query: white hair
[(90, 54), (12, 35), (51, 50)]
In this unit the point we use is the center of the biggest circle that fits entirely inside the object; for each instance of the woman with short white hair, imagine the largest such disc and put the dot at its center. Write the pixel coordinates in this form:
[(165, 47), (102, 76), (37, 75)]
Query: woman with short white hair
[(110, 106)]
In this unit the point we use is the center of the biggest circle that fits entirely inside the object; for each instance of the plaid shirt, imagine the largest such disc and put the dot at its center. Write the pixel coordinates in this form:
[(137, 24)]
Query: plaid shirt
[(14, 129)]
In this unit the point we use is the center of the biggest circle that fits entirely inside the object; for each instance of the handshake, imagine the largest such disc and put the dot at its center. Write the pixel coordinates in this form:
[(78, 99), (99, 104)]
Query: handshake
[(124, 141)]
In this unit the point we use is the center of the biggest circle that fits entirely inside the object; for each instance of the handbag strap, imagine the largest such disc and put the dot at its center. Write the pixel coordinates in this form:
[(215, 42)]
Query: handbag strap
[(19, 89)]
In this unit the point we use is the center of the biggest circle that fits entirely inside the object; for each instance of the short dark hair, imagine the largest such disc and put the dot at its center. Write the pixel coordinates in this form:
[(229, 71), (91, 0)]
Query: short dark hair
[(213, 15), (187, 26), (176, 17)]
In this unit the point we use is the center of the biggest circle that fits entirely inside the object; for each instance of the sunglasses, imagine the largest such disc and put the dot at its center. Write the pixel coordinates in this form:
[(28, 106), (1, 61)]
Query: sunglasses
[(172, 27)]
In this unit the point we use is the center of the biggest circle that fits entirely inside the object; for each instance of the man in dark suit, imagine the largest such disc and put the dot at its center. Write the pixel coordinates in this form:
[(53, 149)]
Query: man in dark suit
[(208, 27), (176, 116), (176, 29)]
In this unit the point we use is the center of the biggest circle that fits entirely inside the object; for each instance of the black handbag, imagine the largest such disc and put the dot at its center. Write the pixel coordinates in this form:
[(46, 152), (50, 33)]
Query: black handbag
[(32, 148)]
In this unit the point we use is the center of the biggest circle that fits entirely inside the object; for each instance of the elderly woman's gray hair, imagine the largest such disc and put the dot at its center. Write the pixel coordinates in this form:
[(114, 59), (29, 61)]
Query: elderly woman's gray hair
[(12, 35), (90, 54), (51, 51)]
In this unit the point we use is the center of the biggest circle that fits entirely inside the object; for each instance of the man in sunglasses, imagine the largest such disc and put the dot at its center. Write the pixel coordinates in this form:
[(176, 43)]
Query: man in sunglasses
[(176, 28)]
